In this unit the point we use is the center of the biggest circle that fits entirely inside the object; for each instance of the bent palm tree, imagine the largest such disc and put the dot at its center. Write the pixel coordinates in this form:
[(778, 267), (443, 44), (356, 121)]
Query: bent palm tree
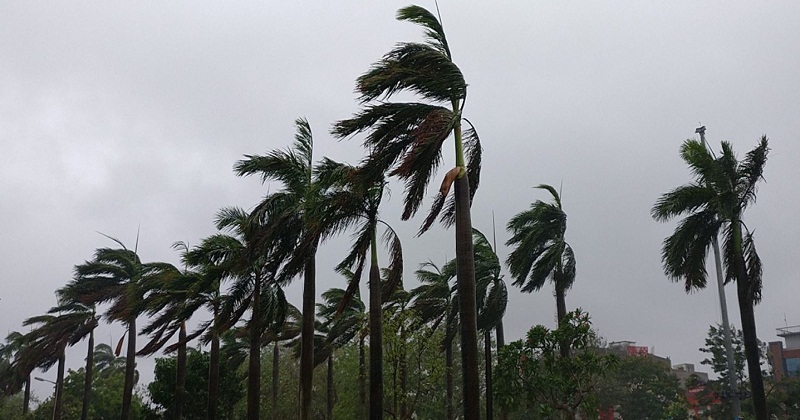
[(541, 252), (406, 139), (434, 304), (716, 200), (118, 276), (64, 325), (492, 302), (12, 374)]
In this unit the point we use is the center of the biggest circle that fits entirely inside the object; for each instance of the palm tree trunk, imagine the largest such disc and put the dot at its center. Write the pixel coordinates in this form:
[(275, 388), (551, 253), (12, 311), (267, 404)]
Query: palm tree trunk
[(87, 379), (487, 350), (26, 400), (307, 339), (751, 350), (403, 375), (276, 358), (362, 379), (330, 387), (501, 342), (130, 370), (375, 337), (561, 313), (180, 379), (501, 336), (59, 405), (467, 311), (213, 373), (448, 379), (254, 364)]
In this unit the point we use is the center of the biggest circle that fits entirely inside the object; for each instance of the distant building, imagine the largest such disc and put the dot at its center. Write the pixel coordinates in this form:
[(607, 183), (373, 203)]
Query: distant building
[(684, 371), (786, 359)]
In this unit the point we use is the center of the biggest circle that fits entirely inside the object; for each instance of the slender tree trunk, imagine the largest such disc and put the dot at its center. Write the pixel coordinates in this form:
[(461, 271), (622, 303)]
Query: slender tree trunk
[(467, 311), (375, 336), (58, 410), (130, 370), (501, 336), (87, 379), (487, 350), (26, 401), (362, 379), (403, 374), (751, 350), (276, 358), (330, 390), (561, 313), (307, 339), (501, 342), (180, 377), (448, 380), (254, 365), (213, 373)]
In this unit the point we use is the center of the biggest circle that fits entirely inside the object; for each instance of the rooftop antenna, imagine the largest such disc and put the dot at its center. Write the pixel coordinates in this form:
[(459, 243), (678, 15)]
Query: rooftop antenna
[(136, 246)]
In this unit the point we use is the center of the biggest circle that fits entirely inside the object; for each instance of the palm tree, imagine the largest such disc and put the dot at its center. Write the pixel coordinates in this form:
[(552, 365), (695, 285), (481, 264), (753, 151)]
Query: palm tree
[(722, 189), (62, 326), (434, 303), (340, 325), (299, 220), (405, 139), (13, 374), (492, 302), (105, 361), (541, 252), (246, 260), (356, 200), (118, 276)]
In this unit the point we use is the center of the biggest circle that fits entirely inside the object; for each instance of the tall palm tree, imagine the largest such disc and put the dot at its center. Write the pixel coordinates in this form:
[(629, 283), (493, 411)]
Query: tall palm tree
[(62, 326), (118, 276), (541, 252), (12, 374), (492, 302), (434, 303), (716, 200), (246, 261), (341, 325), (406, 139), (299, 221), (356, 200)]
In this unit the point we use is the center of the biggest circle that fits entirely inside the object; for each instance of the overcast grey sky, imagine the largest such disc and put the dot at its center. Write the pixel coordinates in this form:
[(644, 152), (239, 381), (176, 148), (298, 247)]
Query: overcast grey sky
[(115, 116)]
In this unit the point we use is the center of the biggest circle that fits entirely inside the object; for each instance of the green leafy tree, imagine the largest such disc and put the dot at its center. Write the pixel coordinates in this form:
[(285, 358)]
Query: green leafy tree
[(406, 140), (162, 388), (541, 252), (533, 376), (118, 276), (106, 400), (715, 201), (641, 387), (718, 361)]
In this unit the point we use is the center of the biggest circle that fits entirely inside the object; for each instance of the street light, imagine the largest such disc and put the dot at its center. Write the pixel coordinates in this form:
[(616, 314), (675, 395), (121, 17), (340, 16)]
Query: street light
[(44, 380)]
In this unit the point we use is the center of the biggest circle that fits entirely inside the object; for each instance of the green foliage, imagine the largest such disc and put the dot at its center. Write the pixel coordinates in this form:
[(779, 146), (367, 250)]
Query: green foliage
[(105, 402), (162, 389), (784, 399), (642, 387), (532, 375)]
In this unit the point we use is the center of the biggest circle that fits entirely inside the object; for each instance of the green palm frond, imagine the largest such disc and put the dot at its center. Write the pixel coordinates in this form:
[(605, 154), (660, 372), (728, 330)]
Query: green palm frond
[(684, 252)]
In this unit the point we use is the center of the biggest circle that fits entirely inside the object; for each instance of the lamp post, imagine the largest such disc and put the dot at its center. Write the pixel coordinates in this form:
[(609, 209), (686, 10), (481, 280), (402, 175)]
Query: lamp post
[(55, 394), (723, 305)]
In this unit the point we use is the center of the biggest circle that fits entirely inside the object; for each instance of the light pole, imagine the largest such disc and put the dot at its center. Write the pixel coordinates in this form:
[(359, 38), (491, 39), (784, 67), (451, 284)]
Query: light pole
[(723, 305), (55, 393)]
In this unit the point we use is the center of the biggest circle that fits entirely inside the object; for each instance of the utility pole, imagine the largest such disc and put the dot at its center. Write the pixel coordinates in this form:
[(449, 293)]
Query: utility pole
[(723, 305)]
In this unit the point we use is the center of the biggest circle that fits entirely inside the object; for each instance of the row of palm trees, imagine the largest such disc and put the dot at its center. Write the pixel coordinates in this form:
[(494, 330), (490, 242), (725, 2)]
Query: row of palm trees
[(242, 269)]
